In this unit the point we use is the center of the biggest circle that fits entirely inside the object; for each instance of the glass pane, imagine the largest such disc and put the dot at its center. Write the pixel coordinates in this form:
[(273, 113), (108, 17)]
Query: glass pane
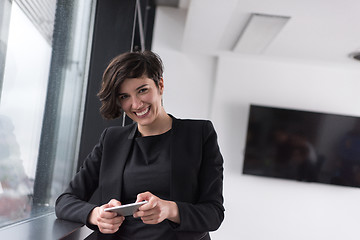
[(28, 98), (5, 7)]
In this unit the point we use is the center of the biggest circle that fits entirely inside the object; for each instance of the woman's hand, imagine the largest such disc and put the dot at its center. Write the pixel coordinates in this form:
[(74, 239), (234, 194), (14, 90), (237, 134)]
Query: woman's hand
[(156, 210), (107, 222)]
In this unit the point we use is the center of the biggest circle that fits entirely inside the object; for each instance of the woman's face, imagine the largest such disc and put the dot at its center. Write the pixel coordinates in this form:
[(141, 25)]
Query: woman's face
[(140, 99)]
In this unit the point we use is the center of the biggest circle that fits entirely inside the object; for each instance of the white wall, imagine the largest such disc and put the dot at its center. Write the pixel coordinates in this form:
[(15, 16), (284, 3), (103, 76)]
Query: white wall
[(265, 208), (261, 208), (186, 76)]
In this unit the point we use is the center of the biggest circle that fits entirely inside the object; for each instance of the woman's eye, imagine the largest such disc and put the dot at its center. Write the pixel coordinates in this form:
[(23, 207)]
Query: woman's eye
[(122, 97), (143, 90)]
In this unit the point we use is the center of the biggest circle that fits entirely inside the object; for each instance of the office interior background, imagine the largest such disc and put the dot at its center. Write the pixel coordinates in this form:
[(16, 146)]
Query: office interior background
[(219, 56)]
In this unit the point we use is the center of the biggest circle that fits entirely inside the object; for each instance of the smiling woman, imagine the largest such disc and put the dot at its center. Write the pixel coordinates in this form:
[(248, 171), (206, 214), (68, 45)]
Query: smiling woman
[(147, 161), (140, 99), (147, 63)]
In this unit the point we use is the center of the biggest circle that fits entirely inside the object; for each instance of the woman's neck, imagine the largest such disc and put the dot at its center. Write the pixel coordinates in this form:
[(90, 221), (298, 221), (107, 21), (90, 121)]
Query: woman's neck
[(161, 125)]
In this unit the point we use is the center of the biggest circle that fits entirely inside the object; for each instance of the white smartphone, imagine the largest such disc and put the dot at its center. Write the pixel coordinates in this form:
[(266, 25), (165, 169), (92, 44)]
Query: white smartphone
[(127, 209)]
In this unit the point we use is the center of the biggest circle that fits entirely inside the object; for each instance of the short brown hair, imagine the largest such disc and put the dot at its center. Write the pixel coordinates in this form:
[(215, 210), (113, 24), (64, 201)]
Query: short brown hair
[(124, 66)]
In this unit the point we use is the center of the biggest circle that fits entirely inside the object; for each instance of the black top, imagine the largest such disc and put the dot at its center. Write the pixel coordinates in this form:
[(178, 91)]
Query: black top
[(195, 183), (147, 169)]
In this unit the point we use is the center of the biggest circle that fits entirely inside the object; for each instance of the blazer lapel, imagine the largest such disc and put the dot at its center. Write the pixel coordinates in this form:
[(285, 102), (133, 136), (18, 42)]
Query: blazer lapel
[(179, 182), (113, 177), (186, 157)]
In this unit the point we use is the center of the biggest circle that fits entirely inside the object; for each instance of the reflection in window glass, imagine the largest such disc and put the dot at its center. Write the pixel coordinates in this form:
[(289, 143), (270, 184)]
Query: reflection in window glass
[(28, 74)]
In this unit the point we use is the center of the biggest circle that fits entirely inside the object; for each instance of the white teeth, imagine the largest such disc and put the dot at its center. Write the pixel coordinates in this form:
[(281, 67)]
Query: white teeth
[(143, 112)]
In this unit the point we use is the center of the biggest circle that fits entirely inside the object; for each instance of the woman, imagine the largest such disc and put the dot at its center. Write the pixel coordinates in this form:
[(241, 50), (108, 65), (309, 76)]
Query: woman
[(172, 163)]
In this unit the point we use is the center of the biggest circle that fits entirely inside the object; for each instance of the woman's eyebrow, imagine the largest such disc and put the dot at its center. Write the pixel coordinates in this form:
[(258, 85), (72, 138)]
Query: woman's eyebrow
[(135, 89), (142, 86)]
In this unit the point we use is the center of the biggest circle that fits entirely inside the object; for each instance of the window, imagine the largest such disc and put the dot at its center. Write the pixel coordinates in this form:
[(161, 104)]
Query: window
[(43, 65)]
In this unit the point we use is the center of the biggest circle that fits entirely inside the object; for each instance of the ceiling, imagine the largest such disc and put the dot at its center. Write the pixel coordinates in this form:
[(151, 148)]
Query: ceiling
[(317, 29)]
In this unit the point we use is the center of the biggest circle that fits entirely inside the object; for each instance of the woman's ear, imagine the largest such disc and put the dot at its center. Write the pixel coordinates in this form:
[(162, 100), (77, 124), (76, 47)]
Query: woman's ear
[(161, 85)]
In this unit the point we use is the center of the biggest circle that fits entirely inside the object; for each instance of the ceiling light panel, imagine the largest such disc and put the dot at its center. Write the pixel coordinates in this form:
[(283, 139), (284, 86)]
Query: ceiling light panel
[(259, 32)]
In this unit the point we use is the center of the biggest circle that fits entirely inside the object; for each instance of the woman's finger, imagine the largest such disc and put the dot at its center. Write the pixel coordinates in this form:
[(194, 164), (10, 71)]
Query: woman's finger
[(114, 203), (110, 225)]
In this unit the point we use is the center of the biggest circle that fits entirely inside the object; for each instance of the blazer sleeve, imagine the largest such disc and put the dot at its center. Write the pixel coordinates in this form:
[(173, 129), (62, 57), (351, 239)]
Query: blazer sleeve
[(73, 204), (208, 212)]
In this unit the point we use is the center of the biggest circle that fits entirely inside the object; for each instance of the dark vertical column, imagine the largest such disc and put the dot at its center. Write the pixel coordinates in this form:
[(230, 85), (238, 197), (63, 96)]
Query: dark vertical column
[(47, 149), (112, 36)]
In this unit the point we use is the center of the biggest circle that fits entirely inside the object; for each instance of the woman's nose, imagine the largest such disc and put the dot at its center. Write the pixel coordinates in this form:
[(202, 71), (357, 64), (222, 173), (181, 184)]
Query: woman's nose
[(136, 103)]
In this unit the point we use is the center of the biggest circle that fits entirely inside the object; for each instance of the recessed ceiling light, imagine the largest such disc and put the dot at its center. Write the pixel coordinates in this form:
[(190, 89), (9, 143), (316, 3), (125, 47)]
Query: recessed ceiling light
[(259, 32)]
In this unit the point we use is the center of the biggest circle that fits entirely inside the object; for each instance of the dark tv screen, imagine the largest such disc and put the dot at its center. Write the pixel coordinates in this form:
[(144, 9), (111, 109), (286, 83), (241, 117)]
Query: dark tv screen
[(303, 145)]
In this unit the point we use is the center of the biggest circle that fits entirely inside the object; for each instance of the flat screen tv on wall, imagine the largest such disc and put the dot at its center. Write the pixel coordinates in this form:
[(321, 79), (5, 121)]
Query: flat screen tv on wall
[(303, 145)]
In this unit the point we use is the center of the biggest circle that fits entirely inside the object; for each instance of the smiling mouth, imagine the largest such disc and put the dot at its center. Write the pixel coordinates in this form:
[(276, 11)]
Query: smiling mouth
[(140, 114)]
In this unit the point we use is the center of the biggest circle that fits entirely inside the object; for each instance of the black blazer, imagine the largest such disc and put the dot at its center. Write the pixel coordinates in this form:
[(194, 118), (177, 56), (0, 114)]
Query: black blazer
[(196, 177)]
